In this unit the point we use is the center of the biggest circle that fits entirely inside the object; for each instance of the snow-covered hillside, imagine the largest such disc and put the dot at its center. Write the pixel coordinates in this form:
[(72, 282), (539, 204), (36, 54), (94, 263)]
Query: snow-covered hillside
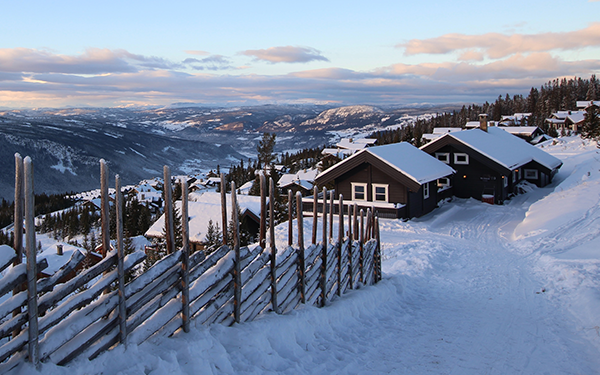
[(468, 289)]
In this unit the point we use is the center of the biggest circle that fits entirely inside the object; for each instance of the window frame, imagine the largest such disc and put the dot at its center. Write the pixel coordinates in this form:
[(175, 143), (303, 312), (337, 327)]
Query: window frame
[(534, 172), (426, 190), (444, 186), (361, 184), (387, 190), (446, 156), (461, 154)]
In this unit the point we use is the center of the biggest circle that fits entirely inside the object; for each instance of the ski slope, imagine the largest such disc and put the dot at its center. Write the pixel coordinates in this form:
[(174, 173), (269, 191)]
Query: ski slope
[(468, 289)]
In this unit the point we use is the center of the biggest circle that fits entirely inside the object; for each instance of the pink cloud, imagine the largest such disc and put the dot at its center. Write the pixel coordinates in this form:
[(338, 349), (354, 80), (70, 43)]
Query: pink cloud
[(498, 45)]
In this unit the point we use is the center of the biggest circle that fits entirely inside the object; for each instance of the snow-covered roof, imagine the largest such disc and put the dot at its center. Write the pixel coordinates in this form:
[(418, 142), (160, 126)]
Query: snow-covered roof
[(472, 124), (445, 130), (502, 147), (520, 130), (355, 144), (587, 103), (573, 116), (204, 207), (412, 162)]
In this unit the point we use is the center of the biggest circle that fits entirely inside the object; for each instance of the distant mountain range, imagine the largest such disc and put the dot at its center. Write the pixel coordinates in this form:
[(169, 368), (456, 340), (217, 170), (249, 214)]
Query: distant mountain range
[(66, 144)]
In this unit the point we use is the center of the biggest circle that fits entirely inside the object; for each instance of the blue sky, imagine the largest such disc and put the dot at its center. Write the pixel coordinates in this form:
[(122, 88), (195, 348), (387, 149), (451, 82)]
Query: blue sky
[(68, 53)]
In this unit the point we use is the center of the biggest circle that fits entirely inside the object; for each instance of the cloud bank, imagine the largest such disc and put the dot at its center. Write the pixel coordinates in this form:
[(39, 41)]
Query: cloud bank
[(478, 68)]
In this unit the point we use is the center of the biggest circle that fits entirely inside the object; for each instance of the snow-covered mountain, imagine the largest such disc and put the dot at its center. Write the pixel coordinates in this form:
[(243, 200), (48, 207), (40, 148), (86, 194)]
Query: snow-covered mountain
[(66, 144)]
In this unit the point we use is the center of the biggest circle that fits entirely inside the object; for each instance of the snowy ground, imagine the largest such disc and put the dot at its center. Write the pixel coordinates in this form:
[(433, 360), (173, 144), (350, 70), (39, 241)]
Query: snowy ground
[(468, 289)]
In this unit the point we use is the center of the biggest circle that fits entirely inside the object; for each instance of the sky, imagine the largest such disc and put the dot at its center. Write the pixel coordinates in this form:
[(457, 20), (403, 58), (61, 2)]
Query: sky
[(119, 54)]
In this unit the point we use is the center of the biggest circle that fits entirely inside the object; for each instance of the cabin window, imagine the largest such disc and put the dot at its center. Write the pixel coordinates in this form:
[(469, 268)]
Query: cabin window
[(505, 181), (531, 174), (514, 176), (443, 157), (460, 158), (426, 190), (520, 174), (359, 191), (443, 182), (380, 192)]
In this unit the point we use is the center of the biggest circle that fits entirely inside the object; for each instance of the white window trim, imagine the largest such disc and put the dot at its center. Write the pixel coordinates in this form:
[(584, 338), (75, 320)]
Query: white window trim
[(426, 190), (505, 179), (514, 176), (456, 161), (445, 155), (531, 174), (386, 186), (364, 185), (441, 185)]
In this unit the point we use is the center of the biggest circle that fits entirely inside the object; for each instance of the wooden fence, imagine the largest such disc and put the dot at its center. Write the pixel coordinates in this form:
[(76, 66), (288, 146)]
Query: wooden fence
[(96, 310)]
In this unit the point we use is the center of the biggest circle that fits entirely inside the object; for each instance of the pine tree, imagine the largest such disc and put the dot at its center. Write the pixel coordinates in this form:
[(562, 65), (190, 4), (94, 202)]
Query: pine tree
[(591, 124), (265, 149), (213, 238)]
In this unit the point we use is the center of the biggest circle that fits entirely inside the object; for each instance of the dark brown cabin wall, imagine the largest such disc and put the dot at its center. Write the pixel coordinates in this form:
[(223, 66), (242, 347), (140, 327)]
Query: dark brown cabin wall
[(343, 184)]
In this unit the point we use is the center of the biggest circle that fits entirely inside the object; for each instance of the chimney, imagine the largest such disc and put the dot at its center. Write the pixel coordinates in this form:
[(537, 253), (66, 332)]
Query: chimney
[(59, 249), (483, 123)]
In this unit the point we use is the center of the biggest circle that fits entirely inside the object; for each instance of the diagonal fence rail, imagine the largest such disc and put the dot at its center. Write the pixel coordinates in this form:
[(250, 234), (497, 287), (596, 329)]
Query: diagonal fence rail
[(50, 320)]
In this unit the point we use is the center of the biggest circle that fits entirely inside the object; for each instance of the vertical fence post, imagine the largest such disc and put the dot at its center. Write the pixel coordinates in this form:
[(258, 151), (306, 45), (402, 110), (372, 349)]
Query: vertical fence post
[(185, 257), (104, 208), (324, 251), (224, 208), (237, 277), (361, 242), (340, 242), (120, 266), (263, 211), (290, 217), (378, 249), (18, 226), (168, 210), (350, 257), (274, 303), (301, 265), (315, 215), (368, 229), (356, 235), (32, 305), (331, 215)]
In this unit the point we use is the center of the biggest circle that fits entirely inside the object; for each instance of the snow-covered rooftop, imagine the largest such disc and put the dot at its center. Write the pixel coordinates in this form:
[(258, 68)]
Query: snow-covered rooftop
[(412, 162), (504, 148), (204, 207)]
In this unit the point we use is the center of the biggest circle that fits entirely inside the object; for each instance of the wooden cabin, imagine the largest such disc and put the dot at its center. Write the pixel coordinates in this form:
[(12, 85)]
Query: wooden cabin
[(490, 162), (397, 180)]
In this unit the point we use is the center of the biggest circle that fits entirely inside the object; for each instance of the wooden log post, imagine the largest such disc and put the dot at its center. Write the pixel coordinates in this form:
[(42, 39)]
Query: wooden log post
[(273, 254), (368, 229), (356, 235), (104, 208), (361, 242), (263, 211), (350, 257), (315, 215), (224, 208), (168, 193), (237, 276), (324, 251), (331, 215), (120, 266), (378, 250), (185, 257), (32, 303), (340, 243), (301, 263), (18, 226), (290, 219)]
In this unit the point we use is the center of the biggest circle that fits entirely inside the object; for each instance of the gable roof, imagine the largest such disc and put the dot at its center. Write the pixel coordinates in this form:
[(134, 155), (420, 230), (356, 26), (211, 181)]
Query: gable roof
[(404, 162), (501, 147), (205, 207)]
